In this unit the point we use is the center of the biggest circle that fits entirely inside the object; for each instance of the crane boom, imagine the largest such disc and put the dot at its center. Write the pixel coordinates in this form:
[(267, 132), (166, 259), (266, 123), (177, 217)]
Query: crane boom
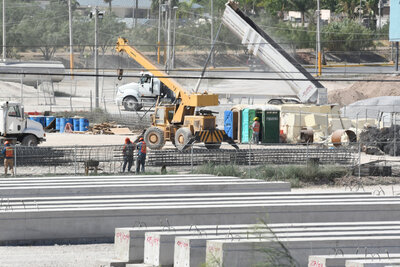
[(189, 100), (307, 88)]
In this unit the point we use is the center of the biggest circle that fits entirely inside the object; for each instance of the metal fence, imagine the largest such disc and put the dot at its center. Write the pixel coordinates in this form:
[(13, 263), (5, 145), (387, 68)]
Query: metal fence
[(74, 159)]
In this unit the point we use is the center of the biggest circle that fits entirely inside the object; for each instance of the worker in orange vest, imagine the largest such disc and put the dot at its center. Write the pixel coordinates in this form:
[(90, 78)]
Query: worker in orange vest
[(8, 153), (141, 155), (256, 130)]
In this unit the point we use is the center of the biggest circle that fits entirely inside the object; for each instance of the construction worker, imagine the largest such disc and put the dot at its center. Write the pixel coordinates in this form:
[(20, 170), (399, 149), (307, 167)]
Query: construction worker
[(141, 155), (256, 130), (8, 153), (127, 152)]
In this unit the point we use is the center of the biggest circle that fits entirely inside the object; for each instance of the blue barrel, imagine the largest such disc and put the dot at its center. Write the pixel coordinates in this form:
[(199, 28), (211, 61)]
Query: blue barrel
[(83, 124), (76, 124), (39, 119), (63, 121), (49, 119), (58, 124)]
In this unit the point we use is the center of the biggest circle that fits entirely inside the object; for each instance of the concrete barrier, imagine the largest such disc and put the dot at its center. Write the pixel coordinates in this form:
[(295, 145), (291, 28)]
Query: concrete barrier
[(249, 252), (340, 259), (372, 262)]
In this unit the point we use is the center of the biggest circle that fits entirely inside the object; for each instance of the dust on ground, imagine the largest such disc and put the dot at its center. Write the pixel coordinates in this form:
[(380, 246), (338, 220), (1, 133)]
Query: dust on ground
[(363, 90)]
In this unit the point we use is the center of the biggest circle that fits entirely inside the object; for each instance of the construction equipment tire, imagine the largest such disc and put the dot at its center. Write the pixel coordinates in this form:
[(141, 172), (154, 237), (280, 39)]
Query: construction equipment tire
[(154, 138), (29, 140), (212, 145), (131, 103), (182, 137)]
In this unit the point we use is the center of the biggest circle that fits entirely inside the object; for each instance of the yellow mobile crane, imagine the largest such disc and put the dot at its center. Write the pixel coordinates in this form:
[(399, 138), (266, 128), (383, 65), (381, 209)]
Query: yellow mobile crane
[(179, 122)]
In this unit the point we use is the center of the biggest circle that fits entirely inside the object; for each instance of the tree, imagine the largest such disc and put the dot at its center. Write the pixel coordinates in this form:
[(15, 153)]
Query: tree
[(302, 6), (346, 35), (275, 7), (46, 29), (349, 7), (109, 4)]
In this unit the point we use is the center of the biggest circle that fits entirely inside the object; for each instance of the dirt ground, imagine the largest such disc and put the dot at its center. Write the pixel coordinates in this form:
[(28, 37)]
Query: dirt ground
[(363, 90)]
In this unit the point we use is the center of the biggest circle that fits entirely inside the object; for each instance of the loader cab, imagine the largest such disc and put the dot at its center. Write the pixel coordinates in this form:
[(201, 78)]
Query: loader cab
[(163, 115)]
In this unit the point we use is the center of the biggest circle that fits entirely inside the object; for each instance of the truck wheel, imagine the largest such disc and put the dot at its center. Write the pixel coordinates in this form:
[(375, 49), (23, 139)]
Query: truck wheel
[(212, 145), (154, 138), (131, 104), (29, 140), (182, 137)]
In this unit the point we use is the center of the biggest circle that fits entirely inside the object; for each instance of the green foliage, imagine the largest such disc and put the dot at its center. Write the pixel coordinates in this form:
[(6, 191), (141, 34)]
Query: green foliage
[(276, 254), (219, 170), (346, 35), (297, 175)]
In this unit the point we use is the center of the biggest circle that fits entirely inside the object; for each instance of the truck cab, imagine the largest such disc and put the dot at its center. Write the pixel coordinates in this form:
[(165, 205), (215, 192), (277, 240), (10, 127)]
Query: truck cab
[(133, 96), (13, 124)]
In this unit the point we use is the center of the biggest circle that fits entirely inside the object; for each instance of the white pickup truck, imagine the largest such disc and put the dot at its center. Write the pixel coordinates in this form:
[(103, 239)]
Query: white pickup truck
[(133, 96), (14, 125)]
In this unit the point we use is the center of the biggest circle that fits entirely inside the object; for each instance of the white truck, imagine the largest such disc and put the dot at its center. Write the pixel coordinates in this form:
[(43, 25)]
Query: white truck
[(15, 126), (133, 96), (261, 45)]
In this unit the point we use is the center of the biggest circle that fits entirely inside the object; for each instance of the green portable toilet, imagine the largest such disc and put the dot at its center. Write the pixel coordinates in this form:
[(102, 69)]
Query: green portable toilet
[(248, 115), (270, 122)]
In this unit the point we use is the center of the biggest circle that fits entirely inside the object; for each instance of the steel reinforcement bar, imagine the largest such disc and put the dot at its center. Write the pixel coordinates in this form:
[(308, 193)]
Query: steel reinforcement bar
[(58, 156)]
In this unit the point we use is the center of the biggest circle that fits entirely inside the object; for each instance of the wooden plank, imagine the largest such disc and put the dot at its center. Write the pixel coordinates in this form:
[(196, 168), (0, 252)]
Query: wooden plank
[(121, 131)]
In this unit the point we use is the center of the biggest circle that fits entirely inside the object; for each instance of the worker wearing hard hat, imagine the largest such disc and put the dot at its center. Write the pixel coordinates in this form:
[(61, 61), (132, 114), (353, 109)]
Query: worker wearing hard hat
[(8, 153), (141, 155), (127, 152), (256, 130)]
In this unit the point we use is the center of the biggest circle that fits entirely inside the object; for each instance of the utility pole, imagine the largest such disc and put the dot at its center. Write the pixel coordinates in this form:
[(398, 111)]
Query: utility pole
[(4, 30), (397, 56), (159, 32), (380, 15), (169, 39), (175, 9), (136, 12), (212, 31), (96, 62), (359, 12), (71, 51), (319, 61)]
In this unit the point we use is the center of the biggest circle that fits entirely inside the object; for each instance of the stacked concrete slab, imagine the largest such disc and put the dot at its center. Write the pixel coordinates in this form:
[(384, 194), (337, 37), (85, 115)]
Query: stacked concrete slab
[(188, 245), (56, 219), (100, 185)]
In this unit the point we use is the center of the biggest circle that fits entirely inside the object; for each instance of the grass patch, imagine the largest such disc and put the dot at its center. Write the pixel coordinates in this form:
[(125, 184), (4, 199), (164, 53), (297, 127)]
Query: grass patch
[(297, 175)]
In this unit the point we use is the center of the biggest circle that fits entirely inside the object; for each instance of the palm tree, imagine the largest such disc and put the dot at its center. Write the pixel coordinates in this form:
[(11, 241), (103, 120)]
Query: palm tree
[(109, 4), (302, 6)]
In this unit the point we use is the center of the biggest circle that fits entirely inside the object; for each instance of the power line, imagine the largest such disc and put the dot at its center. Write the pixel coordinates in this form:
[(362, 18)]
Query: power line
[(209, 78)]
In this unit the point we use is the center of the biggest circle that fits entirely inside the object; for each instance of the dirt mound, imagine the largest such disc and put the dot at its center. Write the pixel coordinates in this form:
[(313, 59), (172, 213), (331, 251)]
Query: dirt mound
[(363, 90)]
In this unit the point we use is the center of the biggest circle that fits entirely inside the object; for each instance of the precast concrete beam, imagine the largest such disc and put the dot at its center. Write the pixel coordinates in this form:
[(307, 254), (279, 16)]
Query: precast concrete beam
[(191, 250), (371, 262), (340, 259), (50, 203), (100, 222), (75, 190), (238, 253)]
